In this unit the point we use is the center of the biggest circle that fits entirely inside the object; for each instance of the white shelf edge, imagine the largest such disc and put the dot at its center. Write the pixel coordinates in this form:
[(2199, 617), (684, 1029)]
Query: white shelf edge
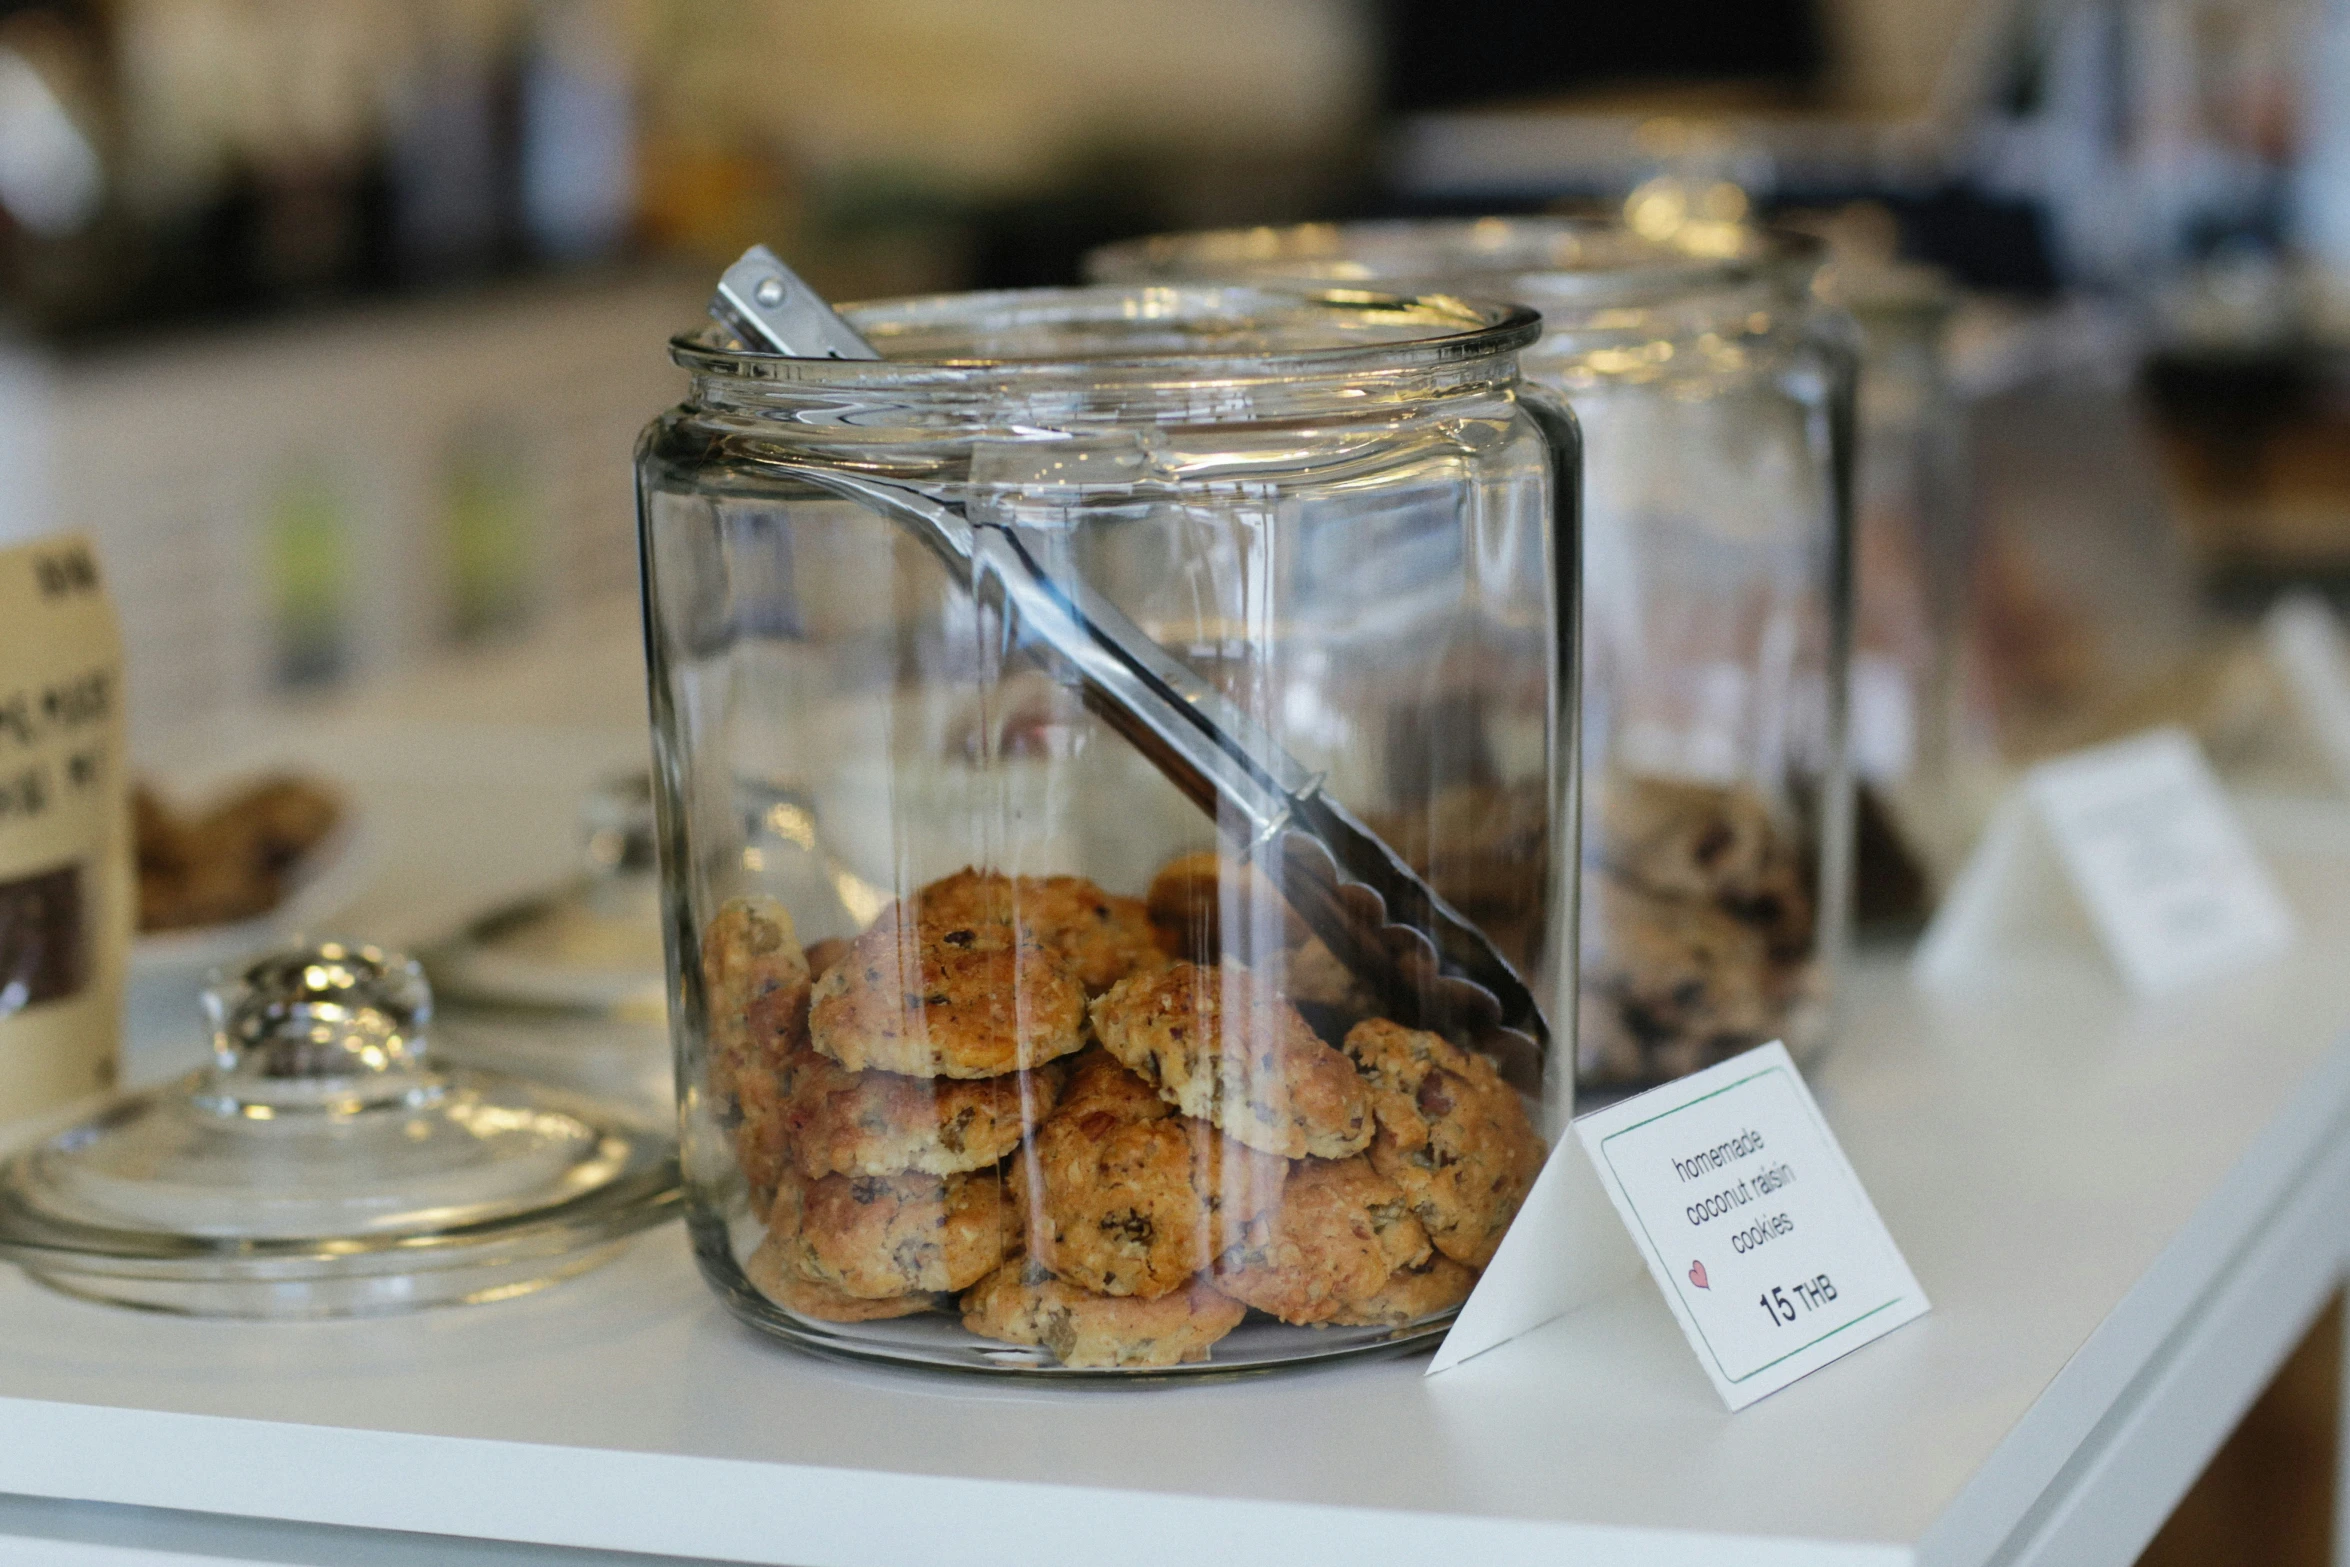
[(1991, 1522), (786, 1515)]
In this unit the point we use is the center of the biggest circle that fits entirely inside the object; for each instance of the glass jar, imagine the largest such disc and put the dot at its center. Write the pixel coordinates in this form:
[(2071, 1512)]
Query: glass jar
[(1914, 560), (995, 1049), (1715, 395)]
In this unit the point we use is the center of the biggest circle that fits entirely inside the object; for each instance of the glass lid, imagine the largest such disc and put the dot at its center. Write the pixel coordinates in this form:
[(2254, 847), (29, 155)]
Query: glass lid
[(325, 1165), (590, 946)]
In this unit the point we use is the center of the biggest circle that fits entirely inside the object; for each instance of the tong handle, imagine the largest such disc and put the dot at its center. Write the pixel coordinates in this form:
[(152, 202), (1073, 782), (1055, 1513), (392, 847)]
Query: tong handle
[(1431, 967)]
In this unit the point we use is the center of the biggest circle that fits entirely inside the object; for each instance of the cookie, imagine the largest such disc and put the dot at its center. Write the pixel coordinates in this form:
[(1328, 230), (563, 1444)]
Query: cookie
[(884, 1235), (770, 1271), (1437, 1284), (939, 998), (1710, 843), (754, 988), (762, 1147), (1339, 1232), (1671, 985), (1485, 848), (1123, 1196), (1487, 844), (823, 954), (1219, 1044), (1101, 936), (1312, 975), (1099, 1085), (1452, 1134), (1022, 1303), (838, 1122), (1195, 897)]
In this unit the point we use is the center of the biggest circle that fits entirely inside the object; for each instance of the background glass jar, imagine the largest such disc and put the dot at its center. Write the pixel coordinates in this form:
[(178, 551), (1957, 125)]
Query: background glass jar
[(1715, 395), (991, 1053), (1914, 563)]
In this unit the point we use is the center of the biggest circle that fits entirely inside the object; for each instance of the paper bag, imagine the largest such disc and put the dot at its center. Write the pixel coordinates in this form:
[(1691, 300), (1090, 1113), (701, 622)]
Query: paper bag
[(65, 850)]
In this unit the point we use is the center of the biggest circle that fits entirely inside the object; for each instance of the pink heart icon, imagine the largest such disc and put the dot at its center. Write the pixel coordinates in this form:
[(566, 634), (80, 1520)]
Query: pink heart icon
[(1697, 1275)]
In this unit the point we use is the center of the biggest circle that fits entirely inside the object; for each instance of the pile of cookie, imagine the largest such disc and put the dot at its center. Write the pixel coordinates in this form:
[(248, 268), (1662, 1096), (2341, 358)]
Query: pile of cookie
[(1699, 936), (1103, 1126)]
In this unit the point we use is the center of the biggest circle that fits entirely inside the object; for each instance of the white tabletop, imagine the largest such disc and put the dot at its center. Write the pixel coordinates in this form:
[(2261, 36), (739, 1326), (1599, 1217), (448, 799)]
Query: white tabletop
[(2123, 1215)]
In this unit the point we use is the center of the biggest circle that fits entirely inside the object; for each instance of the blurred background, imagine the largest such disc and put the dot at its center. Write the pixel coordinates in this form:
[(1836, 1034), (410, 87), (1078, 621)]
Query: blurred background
[(333, 319)]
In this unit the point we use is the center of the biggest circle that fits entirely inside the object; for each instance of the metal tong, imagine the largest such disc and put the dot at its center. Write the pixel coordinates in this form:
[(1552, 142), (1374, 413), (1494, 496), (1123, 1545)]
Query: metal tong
[(1430, 967)]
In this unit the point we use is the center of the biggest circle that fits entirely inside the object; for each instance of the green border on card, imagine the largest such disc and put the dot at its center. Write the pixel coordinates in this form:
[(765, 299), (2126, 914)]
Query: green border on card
[(1658, 1252)]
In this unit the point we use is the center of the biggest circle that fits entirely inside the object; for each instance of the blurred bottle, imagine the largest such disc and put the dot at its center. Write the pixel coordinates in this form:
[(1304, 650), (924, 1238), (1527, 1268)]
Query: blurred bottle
[(449, 152), (712, 178), (2322, 192), (2158, 134), (578, 142), (54, 126)]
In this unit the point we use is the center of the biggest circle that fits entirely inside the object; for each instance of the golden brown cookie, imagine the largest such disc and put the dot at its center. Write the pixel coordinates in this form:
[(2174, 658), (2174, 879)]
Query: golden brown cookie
[(1340, 1230), (1123, 1196), (1022, 1303), (1452, 1134), (754, 986), (939, 998), (1101, 936), (1438, 1284), (838, 1122), (1218, 1043), (1194, 896), (770, 1271), (1099, 1085), (881, 1235)]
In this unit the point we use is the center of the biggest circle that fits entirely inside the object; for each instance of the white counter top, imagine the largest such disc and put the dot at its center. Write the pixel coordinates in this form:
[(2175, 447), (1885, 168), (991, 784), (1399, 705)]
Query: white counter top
[(2124, 1216)]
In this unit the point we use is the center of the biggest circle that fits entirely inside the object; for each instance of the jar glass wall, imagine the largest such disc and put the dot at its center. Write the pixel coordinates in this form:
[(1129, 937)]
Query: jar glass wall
[(1715, 395), (1914, 562), (995, 1049)]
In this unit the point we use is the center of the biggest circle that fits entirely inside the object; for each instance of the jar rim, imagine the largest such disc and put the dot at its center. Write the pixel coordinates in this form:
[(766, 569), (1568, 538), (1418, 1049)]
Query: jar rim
[(1244, 331), (1575, 261)]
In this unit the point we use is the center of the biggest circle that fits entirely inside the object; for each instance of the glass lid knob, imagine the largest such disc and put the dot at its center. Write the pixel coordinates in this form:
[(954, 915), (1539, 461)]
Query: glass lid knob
[(328, 1015)]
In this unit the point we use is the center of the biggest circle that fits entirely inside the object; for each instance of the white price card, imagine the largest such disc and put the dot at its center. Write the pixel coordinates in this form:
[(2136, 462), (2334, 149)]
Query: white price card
[(2169, 876), (1767, 1249), (2131, 846)]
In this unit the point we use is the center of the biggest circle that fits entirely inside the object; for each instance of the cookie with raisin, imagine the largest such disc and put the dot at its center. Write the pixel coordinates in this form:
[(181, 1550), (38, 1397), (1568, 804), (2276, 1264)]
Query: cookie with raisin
[(1101, 936), (1340, 1230), (1451, 1133), (754, 989), (770, 1272), (1219, 1043), (1124, 1197), (1410, 1294), (1022, 1303), (838, 1122), (877, 1236), (928, 997)]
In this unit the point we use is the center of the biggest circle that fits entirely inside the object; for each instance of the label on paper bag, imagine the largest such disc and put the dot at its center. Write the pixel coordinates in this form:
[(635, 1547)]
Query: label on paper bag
[(65, 851), (1767, 1249)]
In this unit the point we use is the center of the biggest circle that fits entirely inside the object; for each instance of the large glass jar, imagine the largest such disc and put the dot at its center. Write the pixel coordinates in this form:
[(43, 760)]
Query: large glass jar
[(995, 1049), (1715, 395)]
